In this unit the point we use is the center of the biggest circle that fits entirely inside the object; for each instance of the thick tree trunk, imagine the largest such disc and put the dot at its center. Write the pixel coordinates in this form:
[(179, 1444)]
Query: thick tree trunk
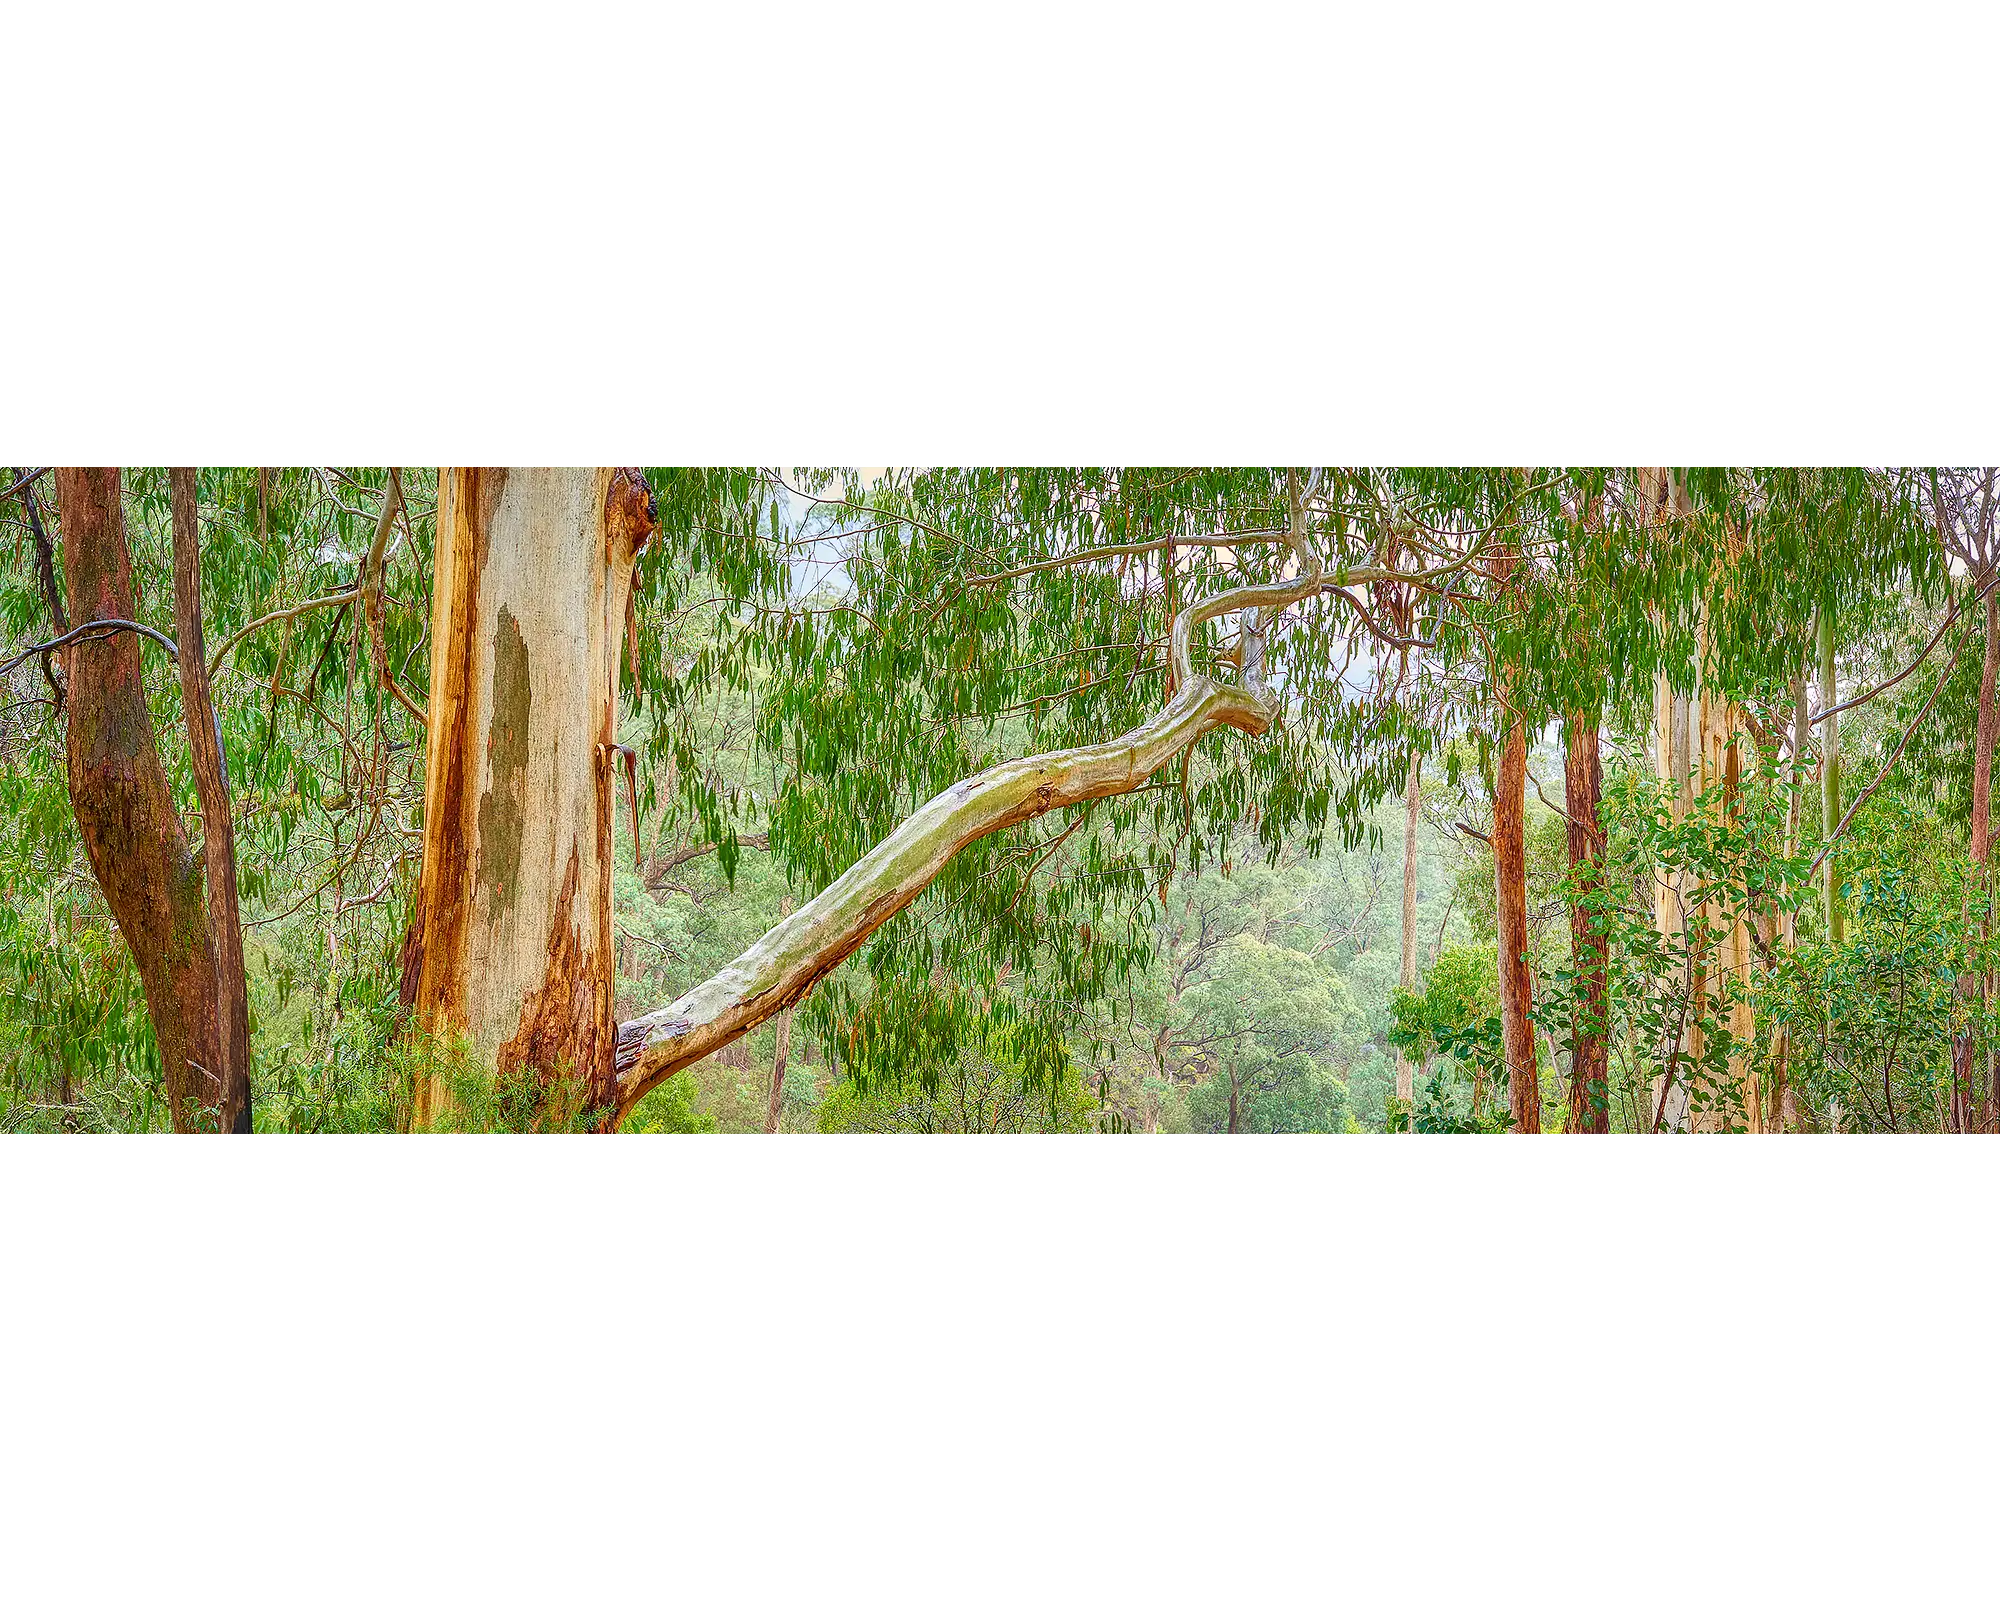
[(1964, 1050), (533, 575), (1590, 1035), (1412, 799), (218, 828), (125, 811), (1510, 869)]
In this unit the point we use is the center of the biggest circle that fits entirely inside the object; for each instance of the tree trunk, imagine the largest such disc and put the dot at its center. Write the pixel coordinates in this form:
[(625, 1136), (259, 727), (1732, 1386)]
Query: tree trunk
[(782, 1048), (1829, 770), (1510, 800), (1412, 798), (1590, 1035), (125, 811), (218, 828), (1964, 1049), (1829, 804), (533, 575)]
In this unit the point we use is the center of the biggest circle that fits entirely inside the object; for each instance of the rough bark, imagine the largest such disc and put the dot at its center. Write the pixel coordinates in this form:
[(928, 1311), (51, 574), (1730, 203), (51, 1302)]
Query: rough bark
[(211, 781), (1590, 1037), (124, 809), (1510, 878), (515, 956)]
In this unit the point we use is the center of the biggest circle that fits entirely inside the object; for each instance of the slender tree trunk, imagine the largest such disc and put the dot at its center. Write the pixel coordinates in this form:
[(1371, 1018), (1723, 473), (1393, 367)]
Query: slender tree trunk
[(1786, 1106), (1412, 798), (1829, 770), (1510, 800), (1965, 1050), (218, 828), (1829, 805), (515, 957), (1590, 1036), (782, 1050), (125, 811)]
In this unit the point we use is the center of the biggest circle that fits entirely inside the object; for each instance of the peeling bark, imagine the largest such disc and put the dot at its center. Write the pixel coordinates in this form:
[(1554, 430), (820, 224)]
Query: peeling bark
[(515, 952)]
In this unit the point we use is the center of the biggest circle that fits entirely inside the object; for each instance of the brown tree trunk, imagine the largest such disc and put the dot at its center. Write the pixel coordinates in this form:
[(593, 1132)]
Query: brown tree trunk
[(1964, 1050), (218, 829), (1510, 877), (125, 811), (516, 960), (1590, 1027)]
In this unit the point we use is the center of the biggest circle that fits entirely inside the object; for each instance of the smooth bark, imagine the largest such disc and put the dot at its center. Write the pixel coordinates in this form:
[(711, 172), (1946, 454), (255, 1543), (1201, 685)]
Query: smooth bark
[(782, 967)]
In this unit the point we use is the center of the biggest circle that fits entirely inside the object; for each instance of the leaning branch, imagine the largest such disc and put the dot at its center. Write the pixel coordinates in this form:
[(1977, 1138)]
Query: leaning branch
[(102, 629), (782, 968)]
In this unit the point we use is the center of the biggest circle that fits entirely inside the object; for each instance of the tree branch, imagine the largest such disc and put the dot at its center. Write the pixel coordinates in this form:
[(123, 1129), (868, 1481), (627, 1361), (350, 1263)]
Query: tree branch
[(782, 968)]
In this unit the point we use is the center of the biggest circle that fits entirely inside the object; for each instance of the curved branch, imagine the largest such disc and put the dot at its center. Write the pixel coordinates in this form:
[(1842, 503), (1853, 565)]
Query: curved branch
[(101, 629), (339, 597), (781, 968)]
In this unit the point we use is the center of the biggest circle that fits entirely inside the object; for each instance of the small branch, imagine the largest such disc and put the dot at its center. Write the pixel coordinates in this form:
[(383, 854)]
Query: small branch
[(371, 598), (1862, 798), (1943, 628), (338, 598), (102, 629), (22, 480)]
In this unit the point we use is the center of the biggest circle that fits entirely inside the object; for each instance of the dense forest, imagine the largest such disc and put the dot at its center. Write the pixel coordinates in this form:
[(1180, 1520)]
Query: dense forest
[(1336, 800)]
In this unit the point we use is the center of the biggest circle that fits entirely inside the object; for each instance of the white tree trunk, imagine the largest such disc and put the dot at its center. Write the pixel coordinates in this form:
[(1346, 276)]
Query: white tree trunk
[(533, 575)]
